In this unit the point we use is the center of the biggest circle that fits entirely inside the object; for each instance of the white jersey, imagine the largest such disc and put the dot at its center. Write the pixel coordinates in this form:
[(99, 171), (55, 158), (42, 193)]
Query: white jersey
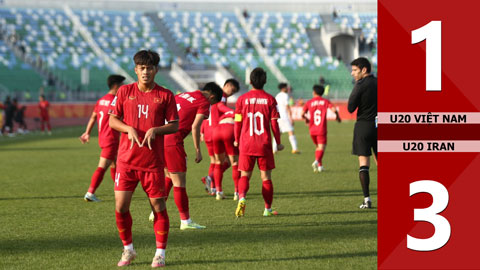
[(282, 101)]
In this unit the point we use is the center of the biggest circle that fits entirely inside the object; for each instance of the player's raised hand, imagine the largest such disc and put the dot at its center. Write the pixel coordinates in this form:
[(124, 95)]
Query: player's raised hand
[(149, 137), (133, 137), (198, 157), (85, 138), (280, 147)]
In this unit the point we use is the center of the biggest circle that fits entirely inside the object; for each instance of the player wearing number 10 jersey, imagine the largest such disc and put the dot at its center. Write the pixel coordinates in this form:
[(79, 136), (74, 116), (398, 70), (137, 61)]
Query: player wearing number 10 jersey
[(254, 113), (107, 138), (316, 109)]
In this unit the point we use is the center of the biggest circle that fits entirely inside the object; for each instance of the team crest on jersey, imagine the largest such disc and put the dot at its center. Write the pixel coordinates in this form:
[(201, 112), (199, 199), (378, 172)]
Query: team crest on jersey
[(131, 97), (157, 100)]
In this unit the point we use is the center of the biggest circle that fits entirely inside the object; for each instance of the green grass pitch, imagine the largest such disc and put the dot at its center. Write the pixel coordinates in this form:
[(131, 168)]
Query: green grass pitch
[(47, 225)]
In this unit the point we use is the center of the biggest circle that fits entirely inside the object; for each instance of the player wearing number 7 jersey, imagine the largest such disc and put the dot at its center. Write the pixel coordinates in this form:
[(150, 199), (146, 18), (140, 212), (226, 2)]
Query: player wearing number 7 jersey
[(316, 109), (107, 137), (255, 111)]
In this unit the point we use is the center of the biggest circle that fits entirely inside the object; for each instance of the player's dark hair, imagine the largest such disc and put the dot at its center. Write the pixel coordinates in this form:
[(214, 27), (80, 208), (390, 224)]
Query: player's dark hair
[(234, 83), (214, 89), (318, 89), (148, 58), (42, 96), (258, 78), (282, 85), (114, 79), (361, 63)]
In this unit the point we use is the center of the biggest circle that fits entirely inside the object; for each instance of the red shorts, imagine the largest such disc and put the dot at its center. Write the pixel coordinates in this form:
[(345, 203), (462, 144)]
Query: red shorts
[(223, 139), (175, 158), (247, 163), (109, 152), (319, 139), (210, 148), (153, 183)]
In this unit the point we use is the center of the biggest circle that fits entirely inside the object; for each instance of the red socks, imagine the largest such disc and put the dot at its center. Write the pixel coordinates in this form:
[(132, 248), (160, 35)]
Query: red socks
[(124, 225), (161, 225), (267, 192), (235, 176), (210, 170), (168, 186), (218, 176), (112, 173), (319, 156), (97, 178), (181, 200), (243, 186), (225, 166)]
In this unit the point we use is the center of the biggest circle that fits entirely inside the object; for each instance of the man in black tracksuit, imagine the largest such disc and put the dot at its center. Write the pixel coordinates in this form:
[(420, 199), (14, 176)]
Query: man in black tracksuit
[(364, 97)]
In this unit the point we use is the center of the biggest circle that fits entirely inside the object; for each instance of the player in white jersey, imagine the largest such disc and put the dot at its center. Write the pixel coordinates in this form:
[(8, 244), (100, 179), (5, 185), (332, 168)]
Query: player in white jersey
[(285, 122)]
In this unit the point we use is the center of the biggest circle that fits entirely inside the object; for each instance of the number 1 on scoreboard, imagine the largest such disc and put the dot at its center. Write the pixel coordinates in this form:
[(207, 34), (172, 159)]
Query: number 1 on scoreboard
[(432, 33)]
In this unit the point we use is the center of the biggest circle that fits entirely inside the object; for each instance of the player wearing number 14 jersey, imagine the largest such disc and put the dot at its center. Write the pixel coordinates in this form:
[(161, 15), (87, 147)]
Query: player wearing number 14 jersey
[(143, 112), (254, 113), (316, 109), (107, 138)]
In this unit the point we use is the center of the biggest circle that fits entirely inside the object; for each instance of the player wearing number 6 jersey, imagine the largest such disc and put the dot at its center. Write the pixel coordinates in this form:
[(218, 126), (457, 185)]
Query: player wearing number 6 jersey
[(143, 112), (107, 138), (316, 109), (255, 111)]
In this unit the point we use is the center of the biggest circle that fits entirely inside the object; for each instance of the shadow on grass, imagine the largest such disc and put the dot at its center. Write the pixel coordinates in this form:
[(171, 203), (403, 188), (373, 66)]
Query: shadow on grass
[(249, 234), (60, 133), (318, 193), (297, 258), (43, 149), (359, 211), (41, 198)]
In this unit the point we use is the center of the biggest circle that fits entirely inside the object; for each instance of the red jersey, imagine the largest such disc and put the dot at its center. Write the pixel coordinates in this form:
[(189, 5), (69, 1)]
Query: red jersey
[(188, 105), (44, 105), (256, 109), (142, 111), (207, 130), (219, 111), (106, 135), (317, 109)]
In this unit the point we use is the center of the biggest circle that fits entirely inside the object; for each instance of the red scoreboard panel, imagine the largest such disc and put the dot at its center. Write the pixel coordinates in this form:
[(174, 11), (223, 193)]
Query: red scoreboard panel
[(429, 134)]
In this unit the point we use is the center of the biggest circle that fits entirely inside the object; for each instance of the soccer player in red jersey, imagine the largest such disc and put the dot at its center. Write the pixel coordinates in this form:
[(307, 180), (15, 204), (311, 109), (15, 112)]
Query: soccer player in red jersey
[(193, 108), (317, 108), (107, 138), (255, 111), (44, 105), (206, 136), (143, 112), (222, 121)]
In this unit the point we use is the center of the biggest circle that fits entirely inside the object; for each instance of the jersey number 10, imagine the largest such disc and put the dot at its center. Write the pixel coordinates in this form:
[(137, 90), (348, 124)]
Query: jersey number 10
[(253, 123)]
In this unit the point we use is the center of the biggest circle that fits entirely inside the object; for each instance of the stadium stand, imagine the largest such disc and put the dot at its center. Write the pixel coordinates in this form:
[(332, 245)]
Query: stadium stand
[(213, 37), (368, 23), (285, 38), (16, 76), (208, 38)]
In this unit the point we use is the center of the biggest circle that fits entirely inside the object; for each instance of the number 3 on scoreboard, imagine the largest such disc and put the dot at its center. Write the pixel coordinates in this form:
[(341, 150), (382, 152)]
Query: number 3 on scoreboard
[(432, 33), (430, 214)]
